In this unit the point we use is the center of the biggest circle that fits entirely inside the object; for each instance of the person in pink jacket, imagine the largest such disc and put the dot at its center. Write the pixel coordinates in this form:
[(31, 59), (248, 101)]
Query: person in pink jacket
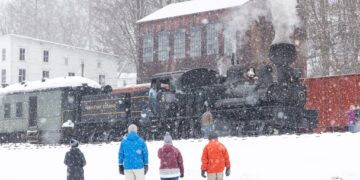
[(351, 118), (171, 161)]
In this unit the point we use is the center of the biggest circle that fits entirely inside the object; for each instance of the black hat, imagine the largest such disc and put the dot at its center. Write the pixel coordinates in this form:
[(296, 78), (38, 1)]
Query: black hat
[(74, 143), (213, 135)]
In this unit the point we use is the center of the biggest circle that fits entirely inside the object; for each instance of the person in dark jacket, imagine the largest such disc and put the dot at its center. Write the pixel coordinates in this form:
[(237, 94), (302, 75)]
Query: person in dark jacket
[(133, 156), (75, 161), (171, 161)]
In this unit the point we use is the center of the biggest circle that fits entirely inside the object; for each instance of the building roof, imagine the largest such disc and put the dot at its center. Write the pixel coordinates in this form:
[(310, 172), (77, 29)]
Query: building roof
[(191, 7), (58, 44), (60, 82)]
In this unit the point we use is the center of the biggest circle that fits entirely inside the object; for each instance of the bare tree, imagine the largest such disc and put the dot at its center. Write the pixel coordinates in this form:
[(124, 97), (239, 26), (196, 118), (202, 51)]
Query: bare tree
[(333, 36), (115, 24)]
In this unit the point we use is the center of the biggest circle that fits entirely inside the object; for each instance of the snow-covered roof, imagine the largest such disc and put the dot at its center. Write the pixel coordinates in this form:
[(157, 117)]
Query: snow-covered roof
[(191, 7), (58, 44), (68, 81)]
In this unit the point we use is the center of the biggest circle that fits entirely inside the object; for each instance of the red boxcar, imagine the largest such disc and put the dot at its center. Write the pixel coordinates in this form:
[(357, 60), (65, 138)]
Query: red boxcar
[(332, 97)]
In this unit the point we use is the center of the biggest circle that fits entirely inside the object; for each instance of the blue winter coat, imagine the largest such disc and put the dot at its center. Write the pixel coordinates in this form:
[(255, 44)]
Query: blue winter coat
[(133, 153)]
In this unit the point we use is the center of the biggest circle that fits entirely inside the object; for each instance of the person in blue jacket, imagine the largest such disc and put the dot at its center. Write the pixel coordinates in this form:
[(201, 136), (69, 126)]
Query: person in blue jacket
[(133, 156)]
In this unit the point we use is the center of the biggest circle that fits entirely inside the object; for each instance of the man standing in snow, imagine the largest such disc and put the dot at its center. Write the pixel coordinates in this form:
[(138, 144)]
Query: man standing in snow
[(207, 122), (214, 159), (75, 161), (171, 162), (133, 156)]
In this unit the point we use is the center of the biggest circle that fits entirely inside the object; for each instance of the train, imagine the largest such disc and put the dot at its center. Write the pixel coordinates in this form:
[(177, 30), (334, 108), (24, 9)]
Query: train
[(247, 101)]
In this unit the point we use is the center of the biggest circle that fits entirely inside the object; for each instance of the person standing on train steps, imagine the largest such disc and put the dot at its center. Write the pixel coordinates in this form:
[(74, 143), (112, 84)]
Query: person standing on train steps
[(351, 118), (171, 161), (75, 162), (215, 159), (133, 155), (153, 98), (207, 123)]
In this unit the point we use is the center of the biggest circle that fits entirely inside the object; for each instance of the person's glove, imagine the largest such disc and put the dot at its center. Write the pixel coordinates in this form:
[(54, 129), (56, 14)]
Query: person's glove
[(203, 174), (227, 172), (181, 175), (121, 169), (146, 168)]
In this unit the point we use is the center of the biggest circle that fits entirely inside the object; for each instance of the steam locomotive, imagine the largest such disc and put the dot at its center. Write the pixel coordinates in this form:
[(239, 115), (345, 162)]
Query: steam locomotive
[(248, 101), (243, 102)]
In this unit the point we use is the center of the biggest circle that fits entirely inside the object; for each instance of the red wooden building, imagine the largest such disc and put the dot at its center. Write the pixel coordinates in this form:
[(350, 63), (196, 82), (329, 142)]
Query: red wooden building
[(204, 34), (332, 96)]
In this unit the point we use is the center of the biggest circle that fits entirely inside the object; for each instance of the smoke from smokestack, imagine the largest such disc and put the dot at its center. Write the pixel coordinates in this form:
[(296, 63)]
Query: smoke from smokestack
[(282, 14), (284, 18)]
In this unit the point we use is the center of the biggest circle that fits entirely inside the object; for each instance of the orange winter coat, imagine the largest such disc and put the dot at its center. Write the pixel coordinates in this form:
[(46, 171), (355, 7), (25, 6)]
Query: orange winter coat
[(215, 157)]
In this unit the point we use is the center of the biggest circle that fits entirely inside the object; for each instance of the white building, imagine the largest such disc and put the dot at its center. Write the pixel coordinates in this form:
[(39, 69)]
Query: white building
[(28, 59)]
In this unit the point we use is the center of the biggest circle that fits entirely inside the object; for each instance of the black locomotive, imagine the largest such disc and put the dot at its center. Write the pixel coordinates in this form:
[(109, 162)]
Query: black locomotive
[(244, 102)]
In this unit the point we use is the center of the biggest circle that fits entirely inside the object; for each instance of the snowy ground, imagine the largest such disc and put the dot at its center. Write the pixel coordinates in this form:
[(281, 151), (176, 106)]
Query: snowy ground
[(286, 157)]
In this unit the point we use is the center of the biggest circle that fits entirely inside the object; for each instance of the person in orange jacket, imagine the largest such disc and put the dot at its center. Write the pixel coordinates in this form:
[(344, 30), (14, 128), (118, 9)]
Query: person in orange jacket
[(214, 159)]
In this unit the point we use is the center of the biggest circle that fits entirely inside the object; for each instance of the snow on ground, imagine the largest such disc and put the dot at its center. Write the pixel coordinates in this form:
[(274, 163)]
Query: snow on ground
[(286, 157)]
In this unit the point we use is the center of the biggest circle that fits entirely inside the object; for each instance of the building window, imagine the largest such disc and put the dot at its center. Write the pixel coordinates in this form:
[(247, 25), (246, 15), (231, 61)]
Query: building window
[(148, 48), (71, 74), (3, 76), (19, 109), (229, 44), (179, 44), (163, 46), (212, 39), (66, 61), (99, 64), (22, 54), (7, 110), (46, 56), (102, 79), (3, 54), (22, 75), (195, 42), (45, 74)]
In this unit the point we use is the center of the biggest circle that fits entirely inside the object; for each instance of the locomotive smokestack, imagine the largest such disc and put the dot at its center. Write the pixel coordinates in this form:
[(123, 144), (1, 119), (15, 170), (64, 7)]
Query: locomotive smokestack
[(282, 54)]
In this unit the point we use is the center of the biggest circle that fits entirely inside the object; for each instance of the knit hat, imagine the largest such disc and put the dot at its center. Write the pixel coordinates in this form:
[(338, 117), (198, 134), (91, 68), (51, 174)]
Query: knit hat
[(167, 138), (74, 143), (213, 135), (132, 128)]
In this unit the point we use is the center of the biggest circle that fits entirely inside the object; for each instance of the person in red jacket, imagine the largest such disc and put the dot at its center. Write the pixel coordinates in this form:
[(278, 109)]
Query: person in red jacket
[(214, 159), (171, 162)]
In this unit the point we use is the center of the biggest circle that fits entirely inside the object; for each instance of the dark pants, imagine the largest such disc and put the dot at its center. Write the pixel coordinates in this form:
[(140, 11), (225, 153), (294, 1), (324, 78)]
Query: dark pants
[(173, 178), (75, 173)]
